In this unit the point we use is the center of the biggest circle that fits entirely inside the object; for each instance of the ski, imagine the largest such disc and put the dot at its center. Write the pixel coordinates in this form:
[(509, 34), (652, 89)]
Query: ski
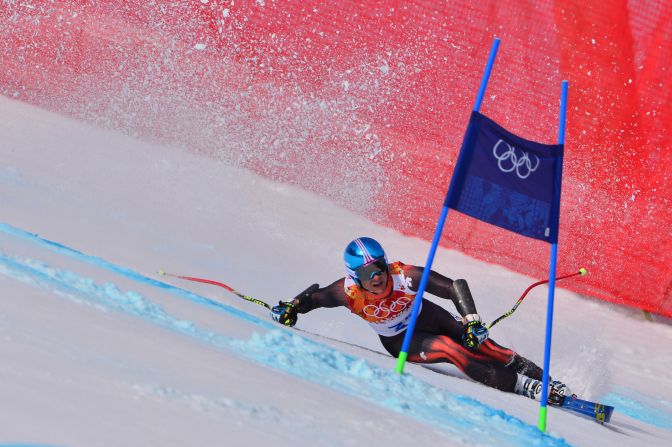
[(594, 410)]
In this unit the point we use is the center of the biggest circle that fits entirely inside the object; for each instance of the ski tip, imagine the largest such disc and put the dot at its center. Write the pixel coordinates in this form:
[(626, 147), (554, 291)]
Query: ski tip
[(583, 271), (593, 410)]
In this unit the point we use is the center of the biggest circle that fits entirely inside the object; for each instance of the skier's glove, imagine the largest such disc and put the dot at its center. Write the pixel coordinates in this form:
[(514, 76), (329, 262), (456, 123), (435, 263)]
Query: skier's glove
[(284, 313), (474, 332)]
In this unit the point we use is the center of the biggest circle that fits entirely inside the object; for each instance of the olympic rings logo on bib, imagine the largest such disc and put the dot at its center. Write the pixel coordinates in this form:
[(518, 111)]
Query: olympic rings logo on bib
[(383, 311)]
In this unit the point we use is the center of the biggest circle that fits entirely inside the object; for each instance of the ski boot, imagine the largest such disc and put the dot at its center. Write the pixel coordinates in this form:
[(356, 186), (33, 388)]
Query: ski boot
[(557, 391), (528, 387)]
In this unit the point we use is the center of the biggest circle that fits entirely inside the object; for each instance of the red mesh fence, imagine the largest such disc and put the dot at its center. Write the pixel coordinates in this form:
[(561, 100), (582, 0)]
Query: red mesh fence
[(366, 103)]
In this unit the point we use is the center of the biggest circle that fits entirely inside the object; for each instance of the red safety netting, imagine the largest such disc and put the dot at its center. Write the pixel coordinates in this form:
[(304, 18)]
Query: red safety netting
[(366, 103)]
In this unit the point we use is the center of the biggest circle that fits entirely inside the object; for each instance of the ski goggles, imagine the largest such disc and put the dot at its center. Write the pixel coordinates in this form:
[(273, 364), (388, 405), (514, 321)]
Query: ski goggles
[(368, 271)]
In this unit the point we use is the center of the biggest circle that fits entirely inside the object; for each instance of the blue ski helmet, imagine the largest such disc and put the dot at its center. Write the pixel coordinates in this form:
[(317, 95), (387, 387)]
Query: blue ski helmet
[(361, 252)]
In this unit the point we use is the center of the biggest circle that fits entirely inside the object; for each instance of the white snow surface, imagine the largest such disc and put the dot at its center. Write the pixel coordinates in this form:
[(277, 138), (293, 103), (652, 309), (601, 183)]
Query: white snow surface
[(97, 349)]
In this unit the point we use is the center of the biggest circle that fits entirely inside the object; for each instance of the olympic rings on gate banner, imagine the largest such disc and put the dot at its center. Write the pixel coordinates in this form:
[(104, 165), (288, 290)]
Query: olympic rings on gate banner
[(382, 310), (521, 164)]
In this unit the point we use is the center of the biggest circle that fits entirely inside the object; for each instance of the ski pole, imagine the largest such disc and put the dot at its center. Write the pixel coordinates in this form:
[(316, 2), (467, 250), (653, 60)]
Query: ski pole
[(581, 272), (310, 289), (218, 284)]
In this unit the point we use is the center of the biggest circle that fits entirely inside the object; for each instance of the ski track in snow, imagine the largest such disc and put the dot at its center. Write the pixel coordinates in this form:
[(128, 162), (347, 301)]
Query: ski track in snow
[(654, 411), (279, 348)]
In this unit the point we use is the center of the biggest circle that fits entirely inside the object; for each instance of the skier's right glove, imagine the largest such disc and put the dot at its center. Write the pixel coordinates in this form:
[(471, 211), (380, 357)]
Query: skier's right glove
[(285, 313), (474, 332)]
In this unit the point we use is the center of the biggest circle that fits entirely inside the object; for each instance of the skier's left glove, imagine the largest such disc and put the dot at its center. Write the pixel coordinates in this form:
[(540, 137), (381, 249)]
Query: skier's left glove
[(285, 313), (474, 332)]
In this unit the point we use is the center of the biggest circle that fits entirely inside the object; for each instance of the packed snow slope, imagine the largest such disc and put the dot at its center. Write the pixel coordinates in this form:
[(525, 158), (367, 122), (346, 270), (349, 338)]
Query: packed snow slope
[(99, 350)]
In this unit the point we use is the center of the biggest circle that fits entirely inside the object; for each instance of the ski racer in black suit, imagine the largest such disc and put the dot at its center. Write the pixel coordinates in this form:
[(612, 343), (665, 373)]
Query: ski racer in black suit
[(382, 293)]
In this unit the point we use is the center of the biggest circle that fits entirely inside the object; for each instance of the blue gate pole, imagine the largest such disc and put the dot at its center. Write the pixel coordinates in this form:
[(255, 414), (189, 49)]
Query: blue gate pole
[(543, 409), (403, 355)]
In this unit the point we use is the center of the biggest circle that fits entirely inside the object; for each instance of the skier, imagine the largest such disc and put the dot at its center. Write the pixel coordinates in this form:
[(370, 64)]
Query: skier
[(382, 293)]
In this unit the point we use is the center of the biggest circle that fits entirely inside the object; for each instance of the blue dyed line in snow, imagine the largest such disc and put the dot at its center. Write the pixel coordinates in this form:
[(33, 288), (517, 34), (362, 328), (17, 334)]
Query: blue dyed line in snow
[(128, 273), (653, 411), (81, 289), (463, 417)]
